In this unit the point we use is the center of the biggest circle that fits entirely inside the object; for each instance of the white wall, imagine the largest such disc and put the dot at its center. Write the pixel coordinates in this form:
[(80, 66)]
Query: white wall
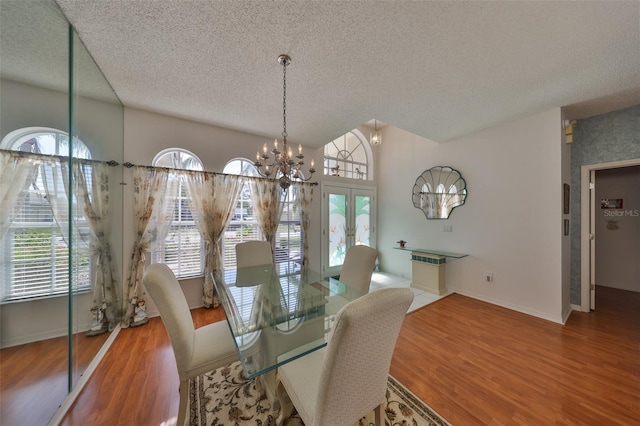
[(148, 133), (511, 224)]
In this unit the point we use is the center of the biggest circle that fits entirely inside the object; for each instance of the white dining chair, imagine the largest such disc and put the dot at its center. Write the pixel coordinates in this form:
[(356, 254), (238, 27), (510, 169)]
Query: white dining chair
[(358, 267), (253, 253), (346, 380), (197, 351)]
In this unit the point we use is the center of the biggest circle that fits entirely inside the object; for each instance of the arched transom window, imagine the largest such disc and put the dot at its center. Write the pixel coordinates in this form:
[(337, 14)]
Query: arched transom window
[(347, 156)]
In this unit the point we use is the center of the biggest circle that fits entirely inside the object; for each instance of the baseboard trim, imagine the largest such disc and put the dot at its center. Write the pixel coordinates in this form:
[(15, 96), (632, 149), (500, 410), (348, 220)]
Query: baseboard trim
[(511, 306), (71, 397)]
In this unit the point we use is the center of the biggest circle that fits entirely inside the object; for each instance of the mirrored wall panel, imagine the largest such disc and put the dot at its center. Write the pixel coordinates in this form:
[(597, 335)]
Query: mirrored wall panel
[(59, 123)]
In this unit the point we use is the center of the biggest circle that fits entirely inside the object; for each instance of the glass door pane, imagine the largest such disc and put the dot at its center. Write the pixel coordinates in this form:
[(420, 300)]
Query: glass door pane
[(348, 219), (362, 216), (337, 228)]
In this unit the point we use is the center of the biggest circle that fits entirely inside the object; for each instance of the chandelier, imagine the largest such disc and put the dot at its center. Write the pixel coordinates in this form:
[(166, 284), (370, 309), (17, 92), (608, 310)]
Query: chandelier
[(284, 167)]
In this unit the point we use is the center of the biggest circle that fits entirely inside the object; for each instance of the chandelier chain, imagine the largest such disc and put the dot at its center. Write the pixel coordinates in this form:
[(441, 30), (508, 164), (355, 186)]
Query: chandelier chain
[(284, 101)]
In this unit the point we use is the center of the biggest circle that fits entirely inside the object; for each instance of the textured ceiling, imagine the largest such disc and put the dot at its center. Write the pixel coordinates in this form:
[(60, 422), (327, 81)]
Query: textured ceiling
[(436, 69)]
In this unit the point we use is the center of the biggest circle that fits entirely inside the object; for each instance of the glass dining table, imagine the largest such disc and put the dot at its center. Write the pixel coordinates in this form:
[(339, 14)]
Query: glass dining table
[(278, 313)]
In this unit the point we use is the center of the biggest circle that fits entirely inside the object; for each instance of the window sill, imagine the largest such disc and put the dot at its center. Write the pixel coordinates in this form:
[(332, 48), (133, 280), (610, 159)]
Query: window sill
[(42, 297)]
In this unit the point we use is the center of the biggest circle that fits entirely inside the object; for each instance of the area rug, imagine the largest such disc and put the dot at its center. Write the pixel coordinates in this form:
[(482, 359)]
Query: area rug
[(224, 397)]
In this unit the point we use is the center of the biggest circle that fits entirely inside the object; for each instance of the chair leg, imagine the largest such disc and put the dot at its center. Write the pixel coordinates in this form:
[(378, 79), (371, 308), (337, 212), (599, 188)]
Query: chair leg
[(378, 415), (285, 402), (183, 407)]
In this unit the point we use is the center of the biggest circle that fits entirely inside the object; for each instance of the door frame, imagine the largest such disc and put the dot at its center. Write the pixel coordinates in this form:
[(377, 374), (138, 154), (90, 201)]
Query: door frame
[(587, 205), (351, 188)]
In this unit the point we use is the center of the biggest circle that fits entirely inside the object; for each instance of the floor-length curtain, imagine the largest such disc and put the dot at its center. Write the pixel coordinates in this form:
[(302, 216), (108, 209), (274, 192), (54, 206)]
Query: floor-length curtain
[(92, 183), (155, 192), (16, 175), (213, 200), (304, 197), (268, 204)]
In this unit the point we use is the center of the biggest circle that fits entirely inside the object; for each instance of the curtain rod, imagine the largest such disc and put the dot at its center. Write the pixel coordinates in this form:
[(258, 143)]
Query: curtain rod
[(131, 165), (111, 163)]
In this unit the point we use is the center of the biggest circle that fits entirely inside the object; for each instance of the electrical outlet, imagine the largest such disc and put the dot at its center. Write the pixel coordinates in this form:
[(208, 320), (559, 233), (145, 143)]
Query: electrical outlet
[(488, 277)]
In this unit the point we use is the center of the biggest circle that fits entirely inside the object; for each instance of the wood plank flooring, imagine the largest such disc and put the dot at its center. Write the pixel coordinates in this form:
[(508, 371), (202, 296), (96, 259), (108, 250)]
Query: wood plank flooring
[(473, 362), (477, 363), (34, 377)]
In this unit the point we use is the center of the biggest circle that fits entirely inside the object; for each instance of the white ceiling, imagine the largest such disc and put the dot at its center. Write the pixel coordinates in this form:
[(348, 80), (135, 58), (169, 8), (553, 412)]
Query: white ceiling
[(436, 69)]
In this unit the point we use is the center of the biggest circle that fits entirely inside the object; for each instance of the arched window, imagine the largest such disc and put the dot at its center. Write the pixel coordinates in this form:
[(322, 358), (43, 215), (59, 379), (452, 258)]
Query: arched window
[(244, 225), (44, 140), (34, 251), (183, 250), (348, 156)]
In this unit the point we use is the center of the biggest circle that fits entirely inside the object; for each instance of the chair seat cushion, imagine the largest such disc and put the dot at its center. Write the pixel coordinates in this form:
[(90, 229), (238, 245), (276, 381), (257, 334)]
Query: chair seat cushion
[(213, 347), (298, 374)]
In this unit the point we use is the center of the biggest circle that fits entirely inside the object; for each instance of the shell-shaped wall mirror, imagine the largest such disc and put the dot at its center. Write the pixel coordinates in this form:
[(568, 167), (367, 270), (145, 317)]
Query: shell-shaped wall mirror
[(438, 191)]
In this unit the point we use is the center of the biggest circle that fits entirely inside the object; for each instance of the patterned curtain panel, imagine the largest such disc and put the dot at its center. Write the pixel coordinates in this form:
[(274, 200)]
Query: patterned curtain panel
[(213, 200), (267, 202), (92, 183), (304, 199), (16, 174), (155, 192)]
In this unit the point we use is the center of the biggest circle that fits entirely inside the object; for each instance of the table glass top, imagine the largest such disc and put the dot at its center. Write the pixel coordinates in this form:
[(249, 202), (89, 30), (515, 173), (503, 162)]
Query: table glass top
[(279, 312)]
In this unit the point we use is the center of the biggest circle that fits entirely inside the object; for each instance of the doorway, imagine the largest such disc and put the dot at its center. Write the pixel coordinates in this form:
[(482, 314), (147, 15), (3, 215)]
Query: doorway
[(348, 218), (596, 213)]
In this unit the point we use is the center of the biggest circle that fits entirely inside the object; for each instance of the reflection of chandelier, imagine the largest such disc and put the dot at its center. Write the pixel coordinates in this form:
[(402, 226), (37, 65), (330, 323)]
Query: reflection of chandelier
[(283, 167)]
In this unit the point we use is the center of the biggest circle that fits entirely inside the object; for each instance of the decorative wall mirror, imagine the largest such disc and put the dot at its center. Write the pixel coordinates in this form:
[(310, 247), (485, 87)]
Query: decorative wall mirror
[(438, 191)]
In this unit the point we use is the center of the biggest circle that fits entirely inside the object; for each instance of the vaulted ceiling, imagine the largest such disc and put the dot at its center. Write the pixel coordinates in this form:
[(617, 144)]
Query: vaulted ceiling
[(437, 69)]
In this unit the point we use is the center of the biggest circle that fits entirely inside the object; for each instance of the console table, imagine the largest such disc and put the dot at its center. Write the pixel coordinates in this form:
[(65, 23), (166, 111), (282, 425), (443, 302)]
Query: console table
[(428, 268)]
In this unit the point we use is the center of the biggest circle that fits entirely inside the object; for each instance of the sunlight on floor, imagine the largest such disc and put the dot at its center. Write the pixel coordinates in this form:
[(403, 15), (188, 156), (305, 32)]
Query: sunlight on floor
[(381, 280)]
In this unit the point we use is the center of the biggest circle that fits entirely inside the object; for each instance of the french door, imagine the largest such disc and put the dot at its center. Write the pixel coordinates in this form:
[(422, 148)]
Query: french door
[(348, 219)]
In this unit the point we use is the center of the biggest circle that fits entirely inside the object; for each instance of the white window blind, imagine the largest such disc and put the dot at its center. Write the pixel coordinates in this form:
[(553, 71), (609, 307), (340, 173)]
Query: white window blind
[(183, 248), (244, 225), (35, 251), (289, 235)]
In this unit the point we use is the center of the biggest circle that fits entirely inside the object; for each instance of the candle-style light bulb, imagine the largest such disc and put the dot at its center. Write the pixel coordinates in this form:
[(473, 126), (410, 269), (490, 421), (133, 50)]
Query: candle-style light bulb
[(289, 152), (275, 144), (300, 149), (257, 155), (264, 148), (312, 163)]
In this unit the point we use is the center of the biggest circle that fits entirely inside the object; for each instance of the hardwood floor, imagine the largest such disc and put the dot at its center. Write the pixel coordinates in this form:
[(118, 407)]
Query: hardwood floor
[(473, 362), (476, 363), (36, 375)]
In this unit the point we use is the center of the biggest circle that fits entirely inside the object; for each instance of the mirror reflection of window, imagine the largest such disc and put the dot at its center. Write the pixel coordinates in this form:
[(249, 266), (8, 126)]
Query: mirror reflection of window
[(35, 246), (438, 191)]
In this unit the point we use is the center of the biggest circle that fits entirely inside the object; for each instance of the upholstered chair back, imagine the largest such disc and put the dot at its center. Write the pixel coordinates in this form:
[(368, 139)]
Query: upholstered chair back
[(164, 289), (358, 267), (253, 253)]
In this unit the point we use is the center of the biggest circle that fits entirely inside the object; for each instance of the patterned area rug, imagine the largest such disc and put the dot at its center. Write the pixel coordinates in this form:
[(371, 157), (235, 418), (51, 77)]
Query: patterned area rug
[(225, 397)]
